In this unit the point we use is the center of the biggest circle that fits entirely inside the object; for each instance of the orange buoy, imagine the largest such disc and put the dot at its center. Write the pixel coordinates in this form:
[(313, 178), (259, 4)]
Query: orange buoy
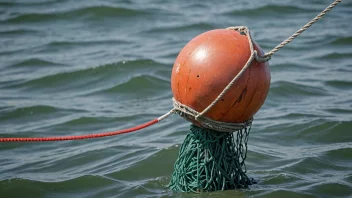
[(207, 64)]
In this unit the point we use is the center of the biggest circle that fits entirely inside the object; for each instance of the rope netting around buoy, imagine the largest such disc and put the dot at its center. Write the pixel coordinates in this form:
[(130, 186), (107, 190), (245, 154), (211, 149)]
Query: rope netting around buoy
[(209, 160)]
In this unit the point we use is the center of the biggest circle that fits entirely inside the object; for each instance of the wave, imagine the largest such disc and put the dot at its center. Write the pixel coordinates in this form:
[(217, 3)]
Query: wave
[(340, 156), (339, 84), (11, 52), (342, 41), (196, 5), (81, 122), (326, 132), (338, 187), (291, 67), (103, 69), (31, 3), (92, 12), (18, 32), (85, 43), (339, 111), (35, 62), (269, 10), (293, 90), (92, 77), (28, 111), (174, 29), (336, 55), (139, 83), (108, 11), (8, 4)]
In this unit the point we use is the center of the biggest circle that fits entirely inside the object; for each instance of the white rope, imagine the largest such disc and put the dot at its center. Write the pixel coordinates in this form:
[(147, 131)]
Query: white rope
[(305, 27), (166, 115)]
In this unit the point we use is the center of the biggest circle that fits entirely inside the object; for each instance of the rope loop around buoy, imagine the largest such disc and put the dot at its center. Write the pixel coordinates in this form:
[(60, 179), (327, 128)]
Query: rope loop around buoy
[(187, 112)]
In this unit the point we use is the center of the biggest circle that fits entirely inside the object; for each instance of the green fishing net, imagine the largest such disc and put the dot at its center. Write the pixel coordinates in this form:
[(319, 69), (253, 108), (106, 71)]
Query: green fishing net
[(210, 161)]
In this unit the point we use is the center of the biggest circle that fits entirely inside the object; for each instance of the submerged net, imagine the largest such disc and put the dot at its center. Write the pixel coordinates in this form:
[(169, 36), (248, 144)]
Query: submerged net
[(209, 161)]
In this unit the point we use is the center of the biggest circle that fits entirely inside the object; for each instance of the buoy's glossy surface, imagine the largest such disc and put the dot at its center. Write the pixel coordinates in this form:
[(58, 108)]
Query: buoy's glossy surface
[(208, 63)]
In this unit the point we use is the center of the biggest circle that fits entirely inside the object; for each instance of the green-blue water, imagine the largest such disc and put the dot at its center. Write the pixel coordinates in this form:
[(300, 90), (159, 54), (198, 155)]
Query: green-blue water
[(78, 67)]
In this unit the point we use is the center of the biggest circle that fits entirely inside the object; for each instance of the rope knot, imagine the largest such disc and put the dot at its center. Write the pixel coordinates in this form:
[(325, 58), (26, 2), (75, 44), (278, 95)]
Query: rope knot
[(241, 29), (245, 31), (260, 59)]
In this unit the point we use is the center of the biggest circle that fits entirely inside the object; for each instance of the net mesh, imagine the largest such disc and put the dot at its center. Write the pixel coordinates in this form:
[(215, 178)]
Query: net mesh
[(209, 161)]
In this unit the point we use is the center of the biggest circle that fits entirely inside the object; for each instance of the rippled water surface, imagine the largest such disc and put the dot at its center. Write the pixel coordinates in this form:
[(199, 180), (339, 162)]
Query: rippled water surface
[(79, 67)]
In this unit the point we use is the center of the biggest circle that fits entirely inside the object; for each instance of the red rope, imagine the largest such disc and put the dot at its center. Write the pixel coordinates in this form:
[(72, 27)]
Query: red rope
[(79, 137)]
